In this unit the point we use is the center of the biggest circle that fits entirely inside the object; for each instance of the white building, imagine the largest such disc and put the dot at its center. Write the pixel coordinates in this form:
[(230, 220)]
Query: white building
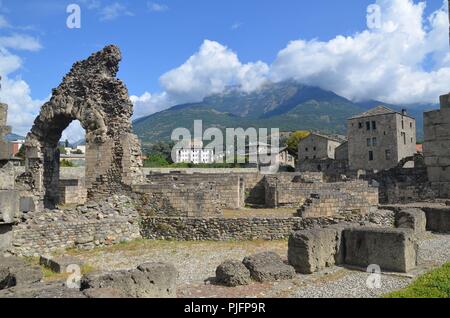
[(194, 153)]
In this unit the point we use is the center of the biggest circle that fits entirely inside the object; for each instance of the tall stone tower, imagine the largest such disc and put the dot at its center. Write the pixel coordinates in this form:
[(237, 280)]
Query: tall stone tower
[(436, 147), (5, 147)]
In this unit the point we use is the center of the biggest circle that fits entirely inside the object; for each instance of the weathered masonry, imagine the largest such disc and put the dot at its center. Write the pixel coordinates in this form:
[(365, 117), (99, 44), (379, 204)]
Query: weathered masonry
[(436, 147), (380, 138), (92, 94)]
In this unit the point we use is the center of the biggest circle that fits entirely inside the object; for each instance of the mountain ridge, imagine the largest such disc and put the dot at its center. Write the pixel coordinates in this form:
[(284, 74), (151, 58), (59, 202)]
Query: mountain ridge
[(286, 105)]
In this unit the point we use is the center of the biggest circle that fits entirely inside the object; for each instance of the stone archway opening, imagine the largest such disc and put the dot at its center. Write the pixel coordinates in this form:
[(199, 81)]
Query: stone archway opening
[(91, 94)]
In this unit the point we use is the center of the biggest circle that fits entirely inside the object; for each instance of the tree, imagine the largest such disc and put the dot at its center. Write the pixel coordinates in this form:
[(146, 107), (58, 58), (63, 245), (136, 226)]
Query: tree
[(156, 161), (163, 149), (66, 143), (294, 139)]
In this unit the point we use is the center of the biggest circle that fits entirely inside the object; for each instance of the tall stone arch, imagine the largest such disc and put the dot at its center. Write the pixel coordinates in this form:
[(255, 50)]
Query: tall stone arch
[(92, 94)]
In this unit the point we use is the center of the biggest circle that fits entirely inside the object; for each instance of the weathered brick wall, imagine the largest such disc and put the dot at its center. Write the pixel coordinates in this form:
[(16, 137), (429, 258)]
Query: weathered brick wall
[(230, 187), (44, 238), (294, 194), (436, 148), (403, 185), (220, 229), (72, 191), (334, 203), (187, 199)]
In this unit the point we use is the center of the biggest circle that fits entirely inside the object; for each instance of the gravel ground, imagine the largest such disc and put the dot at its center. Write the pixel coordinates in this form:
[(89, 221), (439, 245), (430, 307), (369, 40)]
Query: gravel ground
[(197, 261)]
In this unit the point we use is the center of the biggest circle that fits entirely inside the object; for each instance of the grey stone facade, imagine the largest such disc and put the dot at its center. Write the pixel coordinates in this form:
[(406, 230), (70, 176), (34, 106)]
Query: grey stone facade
[(380, 138), (319, 146), (436, 147)]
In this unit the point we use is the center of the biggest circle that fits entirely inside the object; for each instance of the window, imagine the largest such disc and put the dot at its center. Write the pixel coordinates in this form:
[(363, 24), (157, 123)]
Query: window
[(306, 149), (315, 148), (388, 154), (306, 157), (374, 125), (403, 124), (314, 157), (412, 140), (374, 142), (404, 137), (410, 125), (369, 142), (370, 155), (368, 125), (360, 125)]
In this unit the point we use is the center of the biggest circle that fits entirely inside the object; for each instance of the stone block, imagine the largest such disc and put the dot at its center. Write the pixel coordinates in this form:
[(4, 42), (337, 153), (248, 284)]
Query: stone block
[(150, 280), (414, 219), (232, 274), (9, 206), (438, 219), (7, 177), (6, 236), (104, 293), (391, 249), (27, 205), (16, 272), (268, 267), (59, 264), (310, 251), (444, 101)]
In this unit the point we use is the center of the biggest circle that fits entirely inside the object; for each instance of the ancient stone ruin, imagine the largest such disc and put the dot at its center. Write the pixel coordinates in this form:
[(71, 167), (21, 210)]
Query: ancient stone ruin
[(92, 94)]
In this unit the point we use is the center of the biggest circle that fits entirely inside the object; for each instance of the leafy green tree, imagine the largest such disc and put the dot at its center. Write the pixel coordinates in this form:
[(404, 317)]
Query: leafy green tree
[(155, 161), (294, 139)]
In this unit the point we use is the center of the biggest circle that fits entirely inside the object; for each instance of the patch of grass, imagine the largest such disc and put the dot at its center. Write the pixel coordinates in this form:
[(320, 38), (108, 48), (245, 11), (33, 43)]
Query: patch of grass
[(435, 284)]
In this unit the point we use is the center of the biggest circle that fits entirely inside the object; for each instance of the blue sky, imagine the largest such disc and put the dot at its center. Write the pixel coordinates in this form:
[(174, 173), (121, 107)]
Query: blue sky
[(265, 39)]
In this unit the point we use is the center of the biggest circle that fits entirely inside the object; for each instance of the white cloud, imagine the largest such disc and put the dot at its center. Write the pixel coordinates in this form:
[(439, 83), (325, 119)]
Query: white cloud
[(210, 71), (384, 64), (20, 42), (157, 7), (114, 11)]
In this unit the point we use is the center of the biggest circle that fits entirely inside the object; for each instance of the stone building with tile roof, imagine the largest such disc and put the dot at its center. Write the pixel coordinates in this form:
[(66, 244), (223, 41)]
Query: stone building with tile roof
[(380, 138)]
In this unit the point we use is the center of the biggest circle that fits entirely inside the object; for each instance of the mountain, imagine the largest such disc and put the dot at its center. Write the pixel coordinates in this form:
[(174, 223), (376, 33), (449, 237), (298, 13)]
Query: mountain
[(14, 137), (286, 105)]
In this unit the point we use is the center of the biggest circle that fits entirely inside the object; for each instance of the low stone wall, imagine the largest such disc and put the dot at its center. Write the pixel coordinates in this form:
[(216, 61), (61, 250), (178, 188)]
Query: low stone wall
[(438, 219), (332, 203), (72, 192), (44, 238), (241, 229), (403, 185), (295, 194), (229, 187), (180, 199), (148, 171)]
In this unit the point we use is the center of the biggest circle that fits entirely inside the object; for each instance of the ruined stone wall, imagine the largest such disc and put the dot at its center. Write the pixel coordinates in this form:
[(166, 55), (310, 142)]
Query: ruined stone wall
[(188, 199), (436, 147), (84, 235), (292, 194), (5, 147), (403, 185), (331, 204), (230, 187), (102, 223), (242, 229), (92, 94), (72, 191)]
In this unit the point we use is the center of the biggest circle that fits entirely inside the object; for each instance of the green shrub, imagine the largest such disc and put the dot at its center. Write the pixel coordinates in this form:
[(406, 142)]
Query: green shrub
[(435, 284)]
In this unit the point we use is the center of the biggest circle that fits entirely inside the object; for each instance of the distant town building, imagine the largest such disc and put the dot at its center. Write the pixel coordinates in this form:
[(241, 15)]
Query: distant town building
[(278, 155), (319, 146), (16, 145), (194, 153), (379, 138)]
